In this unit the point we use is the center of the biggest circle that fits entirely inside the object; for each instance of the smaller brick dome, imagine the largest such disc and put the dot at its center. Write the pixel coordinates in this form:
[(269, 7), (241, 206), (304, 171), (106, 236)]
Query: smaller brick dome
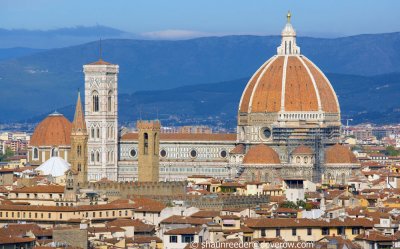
[(338, 154), (302, 150), (54, 130), (261, 154)]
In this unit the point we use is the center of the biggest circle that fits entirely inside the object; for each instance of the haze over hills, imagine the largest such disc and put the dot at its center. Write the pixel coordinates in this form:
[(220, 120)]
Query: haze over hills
[(57, 38), (48, 80)]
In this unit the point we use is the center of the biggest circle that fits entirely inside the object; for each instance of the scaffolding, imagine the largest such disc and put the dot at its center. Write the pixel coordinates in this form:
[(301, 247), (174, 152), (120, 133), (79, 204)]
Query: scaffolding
[(316, 138)]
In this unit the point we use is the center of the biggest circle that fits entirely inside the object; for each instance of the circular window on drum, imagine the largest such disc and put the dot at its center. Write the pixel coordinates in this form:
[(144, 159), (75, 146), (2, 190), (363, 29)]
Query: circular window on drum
[(132, 153), (223, 153), (193, 153), (163, 153), (266, 132)]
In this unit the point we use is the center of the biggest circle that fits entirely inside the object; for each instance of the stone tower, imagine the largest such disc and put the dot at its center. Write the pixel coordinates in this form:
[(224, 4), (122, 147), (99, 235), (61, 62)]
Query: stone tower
[(101, 113), (79, 139), (149, 143)]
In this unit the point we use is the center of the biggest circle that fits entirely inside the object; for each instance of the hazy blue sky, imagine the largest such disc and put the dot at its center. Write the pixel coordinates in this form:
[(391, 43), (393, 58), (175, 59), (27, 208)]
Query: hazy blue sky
[(310, 17)]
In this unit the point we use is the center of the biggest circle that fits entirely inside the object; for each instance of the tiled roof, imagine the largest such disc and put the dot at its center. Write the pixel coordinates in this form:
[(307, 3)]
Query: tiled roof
[(261, 154), (263, 93), (99, 63), (139, 239), (177, 219), (302, 149), (57, 189), (187, 230), (239, 149), (337, 154), (293, 222), (65, 208), (54, 130), (205, 214), (138, 224)]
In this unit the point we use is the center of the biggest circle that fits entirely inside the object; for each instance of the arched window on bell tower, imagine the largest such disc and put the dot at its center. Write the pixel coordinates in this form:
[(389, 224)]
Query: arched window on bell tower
[(79, 150), (146, 143), (95, 101), (79, 167), (109, 101)]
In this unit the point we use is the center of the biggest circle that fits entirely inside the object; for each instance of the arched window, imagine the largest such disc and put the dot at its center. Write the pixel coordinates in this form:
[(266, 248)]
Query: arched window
[(92, 133), (97, 132), (298, 159), (79, 150), (92, 156), (95, 96), (79, 167), (146, 143), (54, 152), (285, 47), (97, 156), (109, 101), (290, 47), (35, 153)]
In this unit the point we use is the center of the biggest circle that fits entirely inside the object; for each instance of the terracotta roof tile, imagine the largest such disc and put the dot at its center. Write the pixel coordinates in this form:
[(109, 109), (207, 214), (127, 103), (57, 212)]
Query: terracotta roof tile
[(239, 149), (263, 92), (302, 149), (261, 154), (40, 189), (54, 130), (339, 154)]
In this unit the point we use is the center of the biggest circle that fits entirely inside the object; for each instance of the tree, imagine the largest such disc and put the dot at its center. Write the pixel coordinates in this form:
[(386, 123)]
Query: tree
[(391, 151), (289, 204), (8, 153)]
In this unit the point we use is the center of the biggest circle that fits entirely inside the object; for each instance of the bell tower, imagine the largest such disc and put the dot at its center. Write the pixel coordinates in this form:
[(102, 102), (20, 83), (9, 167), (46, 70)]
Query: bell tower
[(149, 143), (79, 139), (101, 114)]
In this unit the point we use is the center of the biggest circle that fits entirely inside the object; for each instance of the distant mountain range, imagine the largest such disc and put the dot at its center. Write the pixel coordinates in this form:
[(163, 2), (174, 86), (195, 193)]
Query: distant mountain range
[(57, 38), (47, 80)]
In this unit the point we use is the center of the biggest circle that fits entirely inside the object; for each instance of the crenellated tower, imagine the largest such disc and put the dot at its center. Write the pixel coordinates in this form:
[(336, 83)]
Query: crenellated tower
[(149, 143)]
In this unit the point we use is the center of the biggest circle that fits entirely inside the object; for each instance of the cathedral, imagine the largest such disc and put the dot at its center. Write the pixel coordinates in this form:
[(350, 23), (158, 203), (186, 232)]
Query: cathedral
[(288, 127)]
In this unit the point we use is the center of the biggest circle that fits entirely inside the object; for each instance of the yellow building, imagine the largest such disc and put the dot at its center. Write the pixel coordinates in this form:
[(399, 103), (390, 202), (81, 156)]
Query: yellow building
[(292, 229)]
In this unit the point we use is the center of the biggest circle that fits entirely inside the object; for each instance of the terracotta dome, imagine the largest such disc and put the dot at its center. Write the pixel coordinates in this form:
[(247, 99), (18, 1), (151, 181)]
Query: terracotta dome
[(261, 154), (54, 130), (302, 150), (338, 154), (288, 82)]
